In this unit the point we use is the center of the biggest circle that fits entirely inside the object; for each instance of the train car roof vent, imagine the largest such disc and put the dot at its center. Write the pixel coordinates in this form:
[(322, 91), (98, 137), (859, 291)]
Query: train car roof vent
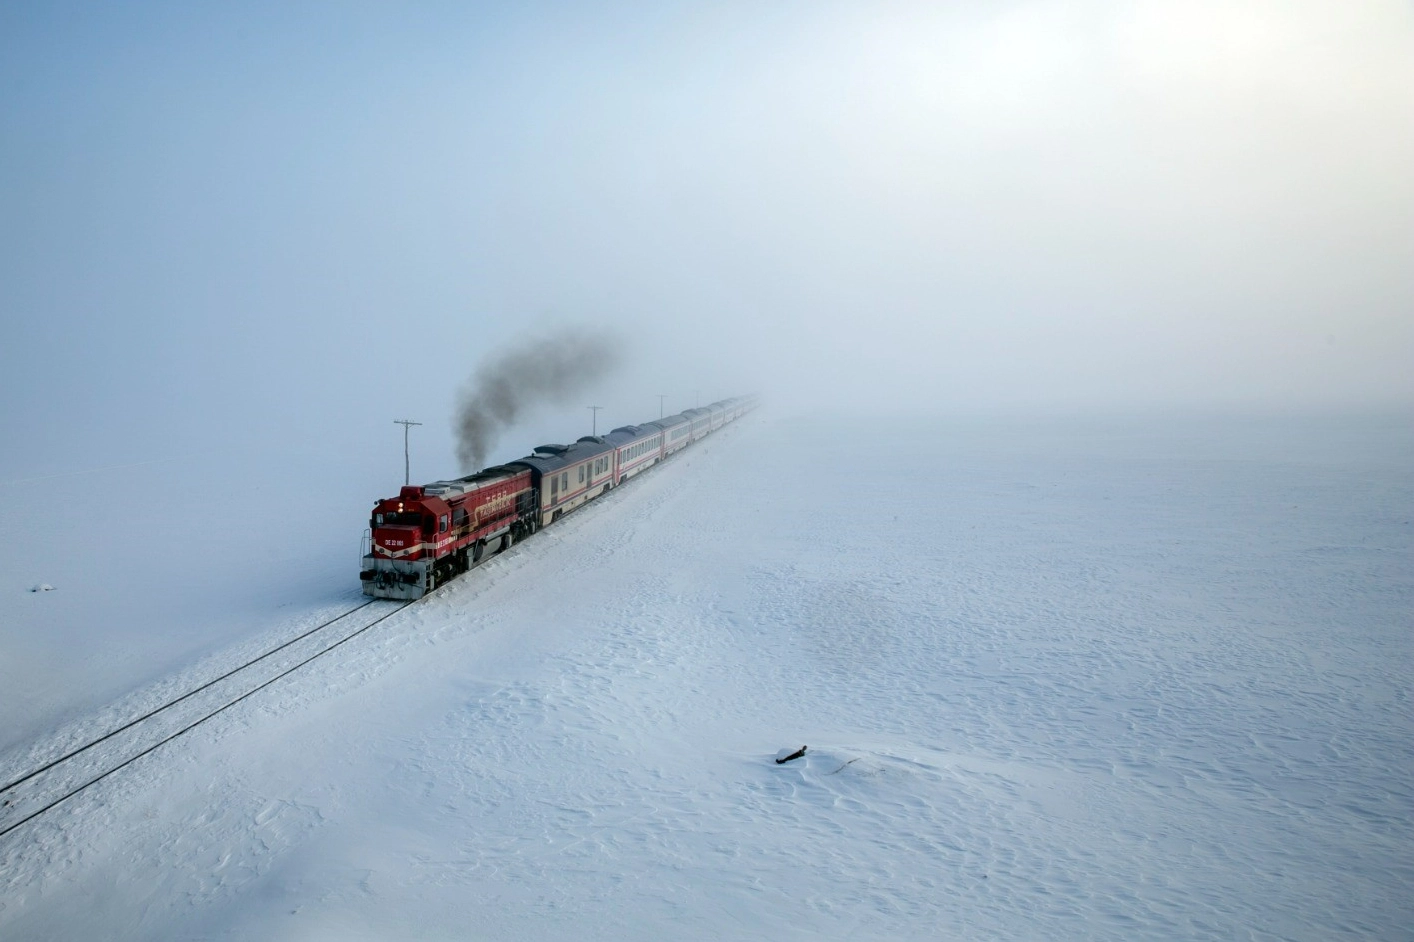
[(592, 439), (551, 449)]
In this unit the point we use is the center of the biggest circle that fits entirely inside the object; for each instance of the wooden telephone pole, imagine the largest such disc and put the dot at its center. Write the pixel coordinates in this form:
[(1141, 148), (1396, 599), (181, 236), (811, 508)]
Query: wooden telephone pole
[(407, 467)]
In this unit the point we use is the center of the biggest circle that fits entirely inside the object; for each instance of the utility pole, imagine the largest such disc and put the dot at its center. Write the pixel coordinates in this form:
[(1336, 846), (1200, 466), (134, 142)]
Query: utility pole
[(407, 467), (595, 410), (660, 406)]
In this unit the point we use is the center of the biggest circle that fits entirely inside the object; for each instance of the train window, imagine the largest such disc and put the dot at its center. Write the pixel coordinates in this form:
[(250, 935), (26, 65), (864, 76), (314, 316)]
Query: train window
[(581, 474), (565, 480), (442, 523), (554, 486)]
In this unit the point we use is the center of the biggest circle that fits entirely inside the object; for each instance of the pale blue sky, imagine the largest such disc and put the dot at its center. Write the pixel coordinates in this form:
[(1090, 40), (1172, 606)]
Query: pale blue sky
[(318, 216)]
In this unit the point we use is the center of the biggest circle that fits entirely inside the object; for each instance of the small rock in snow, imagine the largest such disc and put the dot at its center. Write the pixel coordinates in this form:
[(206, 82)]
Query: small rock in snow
[(42, 587), (786, 754)]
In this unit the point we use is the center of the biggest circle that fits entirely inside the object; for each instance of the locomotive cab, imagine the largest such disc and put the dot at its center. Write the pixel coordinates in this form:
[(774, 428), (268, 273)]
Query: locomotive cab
[(398, 529), (405, 534)]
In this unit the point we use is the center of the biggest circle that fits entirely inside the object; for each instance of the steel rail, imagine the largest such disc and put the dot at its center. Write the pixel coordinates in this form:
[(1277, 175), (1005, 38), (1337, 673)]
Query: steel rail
[(171, 703), (190, 726)]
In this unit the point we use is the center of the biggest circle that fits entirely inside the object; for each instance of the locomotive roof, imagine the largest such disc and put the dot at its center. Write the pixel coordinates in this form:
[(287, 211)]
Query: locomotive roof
[(471, 482)]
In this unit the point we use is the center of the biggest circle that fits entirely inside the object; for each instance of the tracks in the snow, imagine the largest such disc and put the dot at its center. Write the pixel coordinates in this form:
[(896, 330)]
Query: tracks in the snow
[(55, 780), (26, 797)]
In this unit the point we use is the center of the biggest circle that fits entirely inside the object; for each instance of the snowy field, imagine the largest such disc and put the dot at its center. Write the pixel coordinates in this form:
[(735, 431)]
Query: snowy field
[(1059, 680)]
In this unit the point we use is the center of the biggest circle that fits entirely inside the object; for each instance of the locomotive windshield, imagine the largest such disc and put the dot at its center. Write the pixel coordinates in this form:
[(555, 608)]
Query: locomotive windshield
[(405, 519)]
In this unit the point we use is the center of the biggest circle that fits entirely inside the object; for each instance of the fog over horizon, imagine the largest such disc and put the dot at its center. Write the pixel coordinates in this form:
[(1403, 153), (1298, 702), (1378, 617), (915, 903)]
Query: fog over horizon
[(319, 218)]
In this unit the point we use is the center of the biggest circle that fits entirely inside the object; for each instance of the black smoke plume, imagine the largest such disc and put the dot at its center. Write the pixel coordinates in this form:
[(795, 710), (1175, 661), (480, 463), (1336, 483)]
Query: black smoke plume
[(545, 371)]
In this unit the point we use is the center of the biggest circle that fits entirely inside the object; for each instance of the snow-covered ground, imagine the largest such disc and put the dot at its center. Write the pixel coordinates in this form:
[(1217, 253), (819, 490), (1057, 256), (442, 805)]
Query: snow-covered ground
[(1104, 679)]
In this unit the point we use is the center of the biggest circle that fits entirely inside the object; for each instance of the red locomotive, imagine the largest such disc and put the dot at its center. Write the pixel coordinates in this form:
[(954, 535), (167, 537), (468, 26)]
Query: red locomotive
[(428, 534)]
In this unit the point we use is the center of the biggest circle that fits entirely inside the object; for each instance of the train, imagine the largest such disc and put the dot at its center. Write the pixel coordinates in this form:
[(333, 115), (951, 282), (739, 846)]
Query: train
[(432, 533)]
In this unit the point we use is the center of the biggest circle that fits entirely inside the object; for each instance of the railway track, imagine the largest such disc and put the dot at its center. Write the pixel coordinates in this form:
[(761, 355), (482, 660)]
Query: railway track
[(45, 787), (27, 797)]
